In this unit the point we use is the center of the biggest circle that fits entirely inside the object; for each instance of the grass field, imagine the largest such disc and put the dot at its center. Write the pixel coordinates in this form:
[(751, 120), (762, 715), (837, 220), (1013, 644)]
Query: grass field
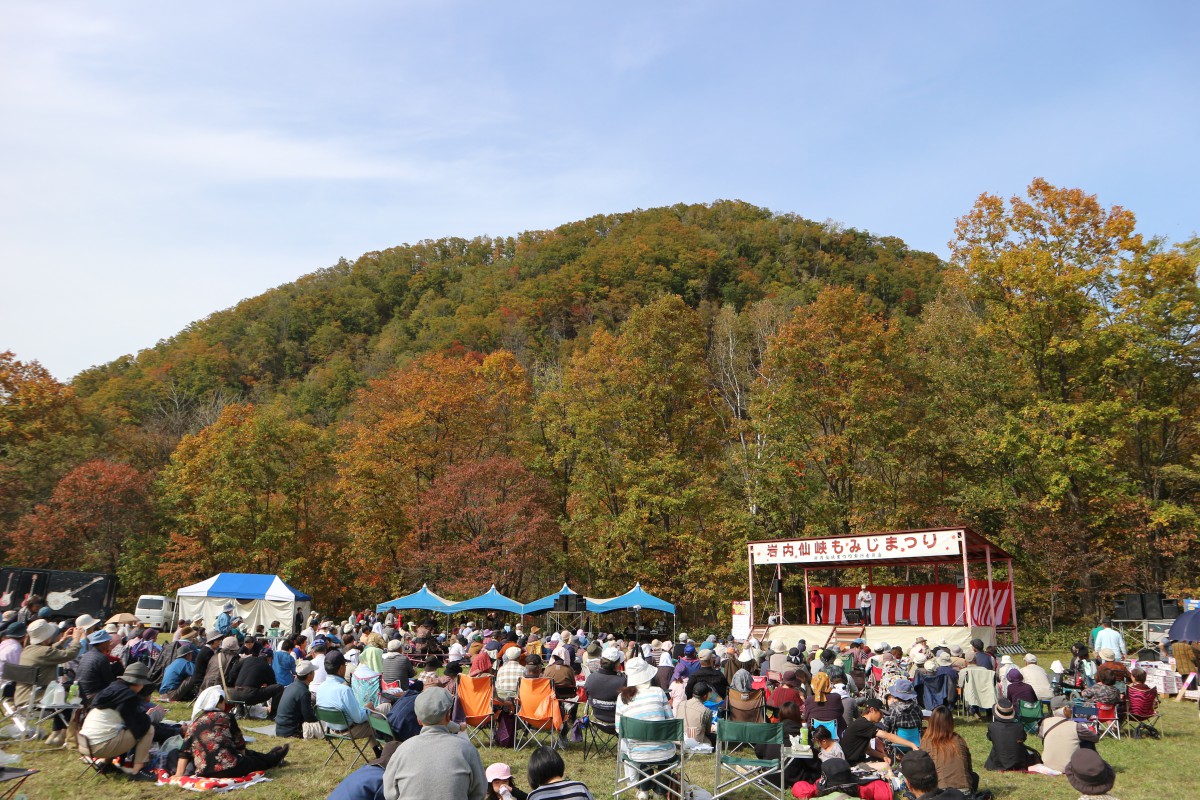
[(1167, 769)]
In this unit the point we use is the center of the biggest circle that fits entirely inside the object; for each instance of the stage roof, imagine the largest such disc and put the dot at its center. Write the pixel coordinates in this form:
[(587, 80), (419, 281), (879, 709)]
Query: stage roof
[(491, 600), (885, 548), (637, 597), (420, 600)]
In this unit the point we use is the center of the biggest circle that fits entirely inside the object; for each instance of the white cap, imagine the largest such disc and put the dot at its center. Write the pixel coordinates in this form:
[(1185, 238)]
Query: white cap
[(1030, 658)]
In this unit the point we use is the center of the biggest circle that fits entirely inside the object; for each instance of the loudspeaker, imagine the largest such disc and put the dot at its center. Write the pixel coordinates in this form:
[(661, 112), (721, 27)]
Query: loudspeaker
[(560, 602), (1148, 654), (853, 616), (1133, 607), (1170, 609), (578, 603), (776, 586), (1120, 611), (1152, 605)]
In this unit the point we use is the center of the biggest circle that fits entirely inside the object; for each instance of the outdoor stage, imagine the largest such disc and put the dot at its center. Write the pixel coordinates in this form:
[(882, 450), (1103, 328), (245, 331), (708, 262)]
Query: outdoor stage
[(915, 602), (895, 635)]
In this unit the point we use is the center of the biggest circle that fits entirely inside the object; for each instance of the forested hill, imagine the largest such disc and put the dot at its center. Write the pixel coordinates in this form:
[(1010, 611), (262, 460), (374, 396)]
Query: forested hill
[(316, 340), (634, 397)]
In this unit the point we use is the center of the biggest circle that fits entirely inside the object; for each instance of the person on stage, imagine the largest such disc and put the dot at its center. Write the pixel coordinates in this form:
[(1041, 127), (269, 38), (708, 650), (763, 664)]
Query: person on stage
[(817, 605), (865, 600)]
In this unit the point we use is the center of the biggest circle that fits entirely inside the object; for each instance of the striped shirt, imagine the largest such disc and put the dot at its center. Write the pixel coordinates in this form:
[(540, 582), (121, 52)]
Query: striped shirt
[(651, 704), (561, 790)]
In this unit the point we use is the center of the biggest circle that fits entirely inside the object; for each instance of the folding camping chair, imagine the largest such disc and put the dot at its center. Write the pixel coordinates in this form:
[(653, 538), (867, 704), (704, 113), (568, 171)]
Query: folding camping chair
[(98, 766), (381, 726), (1143, 714), (827, 724), (600, 729), (747, 706), (743, 772), (648, 775), (475, 698), (1030, 714), (538, 713), (1109, 719), (335, 738), (30, 717)]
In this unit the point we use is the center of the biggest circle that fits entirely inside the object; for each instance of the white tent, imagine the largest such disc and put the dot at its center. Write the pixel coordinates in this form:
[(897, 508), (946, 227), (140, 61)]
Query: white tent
[(259, 600)]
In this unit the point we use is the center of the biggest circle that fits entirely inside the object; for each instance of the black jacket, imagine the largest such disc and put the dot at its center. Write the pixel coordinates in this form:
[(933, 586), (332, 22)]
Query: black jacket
[(120, 696), (254, 673), (94, 673), (710, 675)]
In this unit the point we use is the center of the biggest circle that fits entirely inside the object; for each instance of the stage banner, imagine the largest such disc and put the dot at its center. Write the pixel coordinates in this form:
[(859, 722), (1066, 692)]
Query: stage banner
[(741, 620), (930, 604), (868, 547)]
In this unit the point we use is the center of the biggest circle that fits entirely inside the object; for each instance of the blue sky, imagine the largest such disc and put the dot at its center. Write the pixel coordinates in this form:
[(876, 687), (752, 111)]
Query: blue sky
[(160, 161)]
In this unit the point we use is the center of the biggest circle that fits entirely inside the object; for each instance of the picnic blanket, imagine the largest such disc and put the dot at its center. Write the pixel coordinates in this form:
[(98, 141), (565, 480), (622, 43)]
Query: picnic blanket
[(197, 784)]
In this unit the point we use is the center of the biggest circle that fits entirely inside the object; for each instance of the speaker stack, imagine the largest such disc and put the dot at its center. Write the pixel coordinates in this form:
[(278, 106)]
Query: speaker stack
[(1152, 605), (1133, 607)]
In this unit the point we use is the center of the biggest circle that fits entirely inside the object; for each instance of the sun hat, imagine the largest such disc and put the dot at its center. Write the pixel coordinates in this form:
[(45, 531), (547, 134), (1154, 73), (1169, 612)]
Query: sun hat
[(594, 649), (98, 637), (955, 650), (902, 689), (487, 632), (881, 647), (137, 672), (778, 646), (920, 640), (40, 631), (433, 705), (639, 671), (920, 658), (1004, 709), (1089, 773), (1006, 660), (746, 656), (184, 649), (15, 631), (213, 635), (944, 659), (1057, 667), (230, 644), (86, 621), (227, 607), (498, 772), (8, 616), (610, 654), (304, 667), (394, 645), (1030, 658), (1107, 654)]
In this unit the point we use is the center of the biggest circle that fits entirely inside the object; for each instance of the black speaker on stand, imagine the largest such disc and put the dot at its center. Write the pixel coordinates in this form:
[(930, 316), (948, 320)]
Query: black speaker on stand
[(1170, 609), (1133, 607), (1152, 605)]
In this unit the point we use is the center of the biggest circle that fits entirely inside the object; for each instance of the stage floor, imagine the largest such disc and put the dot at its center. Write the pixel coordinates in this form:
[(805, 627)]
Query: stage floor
[(895, 635)]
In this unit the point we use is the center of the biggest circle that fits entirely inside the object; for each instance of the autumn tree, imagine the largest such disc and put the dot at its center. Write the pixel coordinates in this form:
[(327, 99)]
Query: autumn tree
[(485, 522), (251, 493), (828, 405), (639, 424), (408, 429), (99, 519)]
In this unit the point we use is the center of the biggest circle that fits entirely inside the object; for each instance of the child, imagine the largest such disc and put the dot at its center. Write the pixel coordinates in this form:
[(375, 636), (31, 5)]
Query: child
[(1143, 699), (828, 748)]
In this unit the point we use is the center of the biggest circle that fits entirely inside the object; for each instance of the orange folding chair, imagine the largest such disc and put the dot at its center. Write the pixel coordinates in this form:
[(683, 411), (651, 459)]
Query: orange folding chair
[(538, 713), (747, 706), (475, 697)]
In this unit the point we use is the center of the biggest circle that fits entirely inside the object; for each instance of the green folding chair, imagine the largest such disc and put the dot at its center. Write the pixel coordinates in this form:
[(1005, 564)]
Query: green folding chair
[(336, 738), (650, 774), (383, 729), (740, 772), (1029, 714)]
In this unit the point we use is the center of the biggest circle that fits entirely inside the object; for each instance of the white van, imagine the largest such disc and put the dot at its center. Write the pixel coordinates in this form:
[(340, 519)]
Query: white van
[(155, 611)]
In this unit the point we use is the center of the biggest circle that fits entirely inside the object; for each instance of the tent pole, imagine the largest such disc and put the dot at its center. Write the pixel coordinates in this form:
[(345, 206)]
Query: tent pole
[(991, 603), (1012, 594), (750, 568), (779, 594), (807, 599), (962, 542)]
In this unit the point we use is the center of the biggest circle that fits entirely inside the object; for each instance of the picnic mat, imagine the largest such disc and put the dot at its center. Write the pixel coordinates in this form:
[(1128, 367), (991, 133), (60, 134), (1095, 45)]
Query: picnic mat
[(194, 784), (265, 730)]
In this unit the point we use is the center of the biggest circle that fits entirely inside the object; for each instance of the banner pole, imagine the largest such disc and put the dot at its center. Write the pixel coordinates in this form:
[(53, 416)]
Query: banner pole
[(750, 567)]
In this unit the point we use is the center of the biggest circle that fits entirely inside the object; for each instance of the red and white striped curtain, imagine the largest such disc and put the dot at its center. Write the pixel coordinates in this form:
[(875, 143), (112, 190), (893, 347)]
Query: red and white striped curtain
[(931, 604)]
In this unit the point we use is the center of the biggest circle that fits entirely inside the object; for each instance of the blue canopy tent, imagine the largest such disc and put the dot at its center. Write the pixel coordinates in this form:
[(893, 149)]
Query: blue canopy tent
[(636, 598), (491, 600), (420, 600), (547, 603)]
